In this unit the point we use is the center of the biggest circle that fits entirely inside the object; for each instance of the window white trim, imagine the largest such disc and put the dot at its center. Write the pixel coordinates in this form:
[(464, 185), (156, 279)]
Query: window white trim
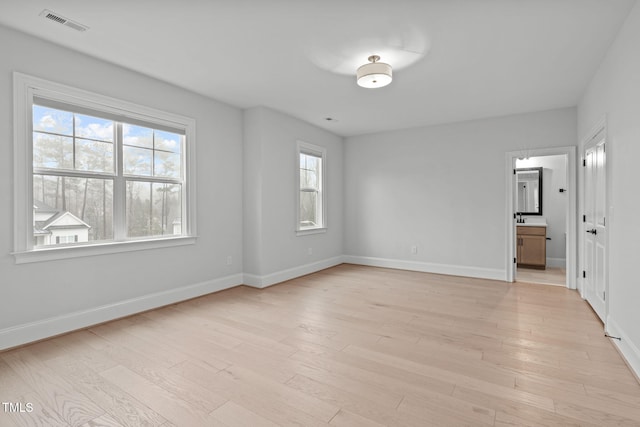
[(25, 88), (307, 231), (321, 152), (112, 247)]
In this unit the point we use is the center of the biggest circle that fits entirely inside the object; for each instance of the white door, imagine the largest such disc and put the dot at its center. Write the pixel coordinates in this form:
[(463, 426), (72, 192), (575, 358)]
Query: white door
[(595, 250)]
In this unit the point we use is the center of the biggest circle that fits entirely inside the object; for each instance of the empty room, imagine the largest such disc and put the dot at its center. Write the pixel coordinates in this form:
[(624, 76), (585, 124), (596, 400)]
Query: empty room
[(342, 213)]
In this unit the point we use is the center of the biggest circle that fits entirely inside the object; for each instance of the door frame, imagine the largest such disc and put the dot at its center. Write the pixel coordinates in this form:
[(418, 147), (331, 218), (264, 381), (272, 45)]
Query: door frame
[(571, 210)]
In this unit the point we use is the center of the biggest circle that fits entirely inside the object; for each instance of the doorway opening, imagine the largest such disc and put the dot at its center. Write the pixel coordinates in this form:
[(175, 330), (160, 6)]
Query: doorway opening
[(541, 224), (541, 212)]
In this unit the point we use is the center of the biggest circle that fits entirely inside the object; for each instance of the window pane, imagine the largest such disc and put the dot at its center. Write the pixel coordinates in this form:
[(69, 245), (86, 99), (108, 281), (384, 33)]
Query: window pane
[(94, 128), (166, 209), (309, 166), (167, 164), (51, 120), (308, 179), (153, 209), (311, 163), (137, 161), (308, 204), (94, 156), (52, 151), (137, 136), (66, 207), (167, 141), (138, 208)]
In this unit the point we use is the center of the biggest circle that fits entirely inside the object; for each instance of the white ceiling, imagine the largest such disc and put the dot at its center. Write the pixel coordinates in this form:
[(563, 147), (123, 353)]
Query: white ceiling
[(453, 60)]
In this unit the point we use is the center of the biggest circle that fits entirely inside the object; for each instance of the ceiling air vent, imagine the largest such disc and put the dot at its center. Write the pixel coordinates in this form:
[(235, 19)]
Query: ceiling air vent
[(56, 17)]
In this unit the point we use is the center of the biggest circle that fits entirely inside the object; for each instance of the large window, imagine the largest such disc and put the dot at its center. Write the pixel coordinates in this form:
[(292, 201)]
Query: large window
[(94, 171), (311, 196)]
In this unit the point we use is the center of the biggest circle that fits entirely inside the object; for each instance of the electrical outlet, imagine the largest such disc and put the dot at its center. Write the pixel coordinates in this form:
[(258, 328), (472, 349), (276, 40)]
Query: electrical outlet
[(310, 251), (229, 260), (414, 249)]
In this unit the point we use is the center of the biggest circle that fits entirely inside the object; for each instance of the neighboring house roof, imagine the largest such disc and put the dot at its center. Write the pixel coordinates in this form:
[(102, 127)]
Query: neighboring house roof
[(56, 221), (65, 220)]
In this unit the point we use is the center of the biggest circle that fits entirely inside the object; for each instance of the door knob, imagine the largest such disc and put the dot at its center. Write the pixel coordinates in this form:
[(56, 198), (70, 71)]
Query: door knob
[(592, 231)]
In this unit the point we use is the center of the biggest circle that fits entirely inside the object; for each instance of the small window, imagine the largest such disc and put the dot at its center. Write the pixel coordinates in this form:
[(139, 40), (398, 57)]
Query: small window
[(311, 213), (98, 171)]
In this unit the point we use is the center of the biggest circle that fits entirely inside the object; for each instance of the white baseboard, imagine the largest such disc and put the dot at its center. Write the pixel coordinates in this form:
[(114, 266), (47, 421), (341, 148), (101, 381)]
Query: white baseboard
[(628, 348), (452, 270), (30, 332), (556, 262), (291, 273)]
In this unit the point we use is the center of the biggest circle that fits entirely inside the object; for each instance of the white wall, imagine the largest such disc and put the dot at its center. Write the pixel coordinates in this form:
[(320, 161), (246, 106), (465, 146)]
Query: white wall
[(272, 250), (554, 203), (442, 189), (105, 285), (615, 92)]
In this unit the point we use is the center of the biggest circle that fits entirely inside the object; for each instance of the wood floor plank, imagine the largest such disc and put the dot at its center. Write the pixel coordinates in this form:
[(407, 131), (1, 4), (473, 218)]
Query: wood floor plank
[(351, 379), (157, 374), (122, 408), (12, 384), (232, 414), (345, 418), (596, 416), (107, 421), (632, 399), (528, 419), (118, 333), (352, 402), (515, 412), (273, 407), (437, 371), (193, 345), (67, 402), (434, 416), (597, 377), (378, 375), (466, 363), (79, 344), (171, 406), (175, 324), (313, 406), (43, 415), (531, 381)]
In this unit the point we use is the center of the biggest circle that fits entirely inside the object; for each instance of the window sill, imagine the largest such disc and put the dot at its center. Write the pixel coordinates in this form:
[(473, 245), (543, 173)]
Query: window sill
[(52, 254), (308, 231)]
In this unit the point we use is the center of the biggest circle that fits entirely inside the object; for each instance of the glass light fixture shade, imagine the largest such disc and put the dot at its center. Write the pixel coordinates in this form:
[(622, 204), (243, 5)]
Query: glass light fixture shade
[(374, 75)]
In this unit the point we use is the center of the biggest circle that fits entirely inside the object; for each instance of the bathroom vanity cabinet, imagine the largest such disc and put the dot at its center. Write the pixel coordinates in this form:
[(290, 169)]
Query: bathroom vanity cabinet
[(532, 246)]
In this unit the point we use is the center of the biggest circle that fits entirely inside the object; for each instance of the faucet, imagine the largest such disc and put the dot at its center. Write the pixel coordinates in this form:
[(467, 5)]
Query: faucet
[(520, 220)]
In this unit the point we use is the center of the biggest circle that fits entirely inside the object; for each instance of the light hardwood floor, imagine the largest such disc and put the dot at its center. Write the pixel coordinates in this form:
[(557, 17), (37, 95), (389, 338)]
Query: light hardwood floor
[(348, 346), (549, 276)]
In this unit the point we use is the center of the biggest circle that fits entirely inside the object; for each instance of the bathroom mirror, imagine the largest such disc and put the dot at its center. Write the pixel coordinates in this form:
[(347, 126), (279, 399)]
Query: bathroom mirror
[(529, 185)]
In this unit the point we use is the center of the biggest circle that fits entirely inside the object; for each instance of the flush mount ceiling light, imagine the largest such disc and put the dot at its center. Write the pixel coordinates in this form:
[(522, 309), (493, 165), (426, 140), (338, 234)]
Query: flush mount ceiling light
[(374, 74)]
